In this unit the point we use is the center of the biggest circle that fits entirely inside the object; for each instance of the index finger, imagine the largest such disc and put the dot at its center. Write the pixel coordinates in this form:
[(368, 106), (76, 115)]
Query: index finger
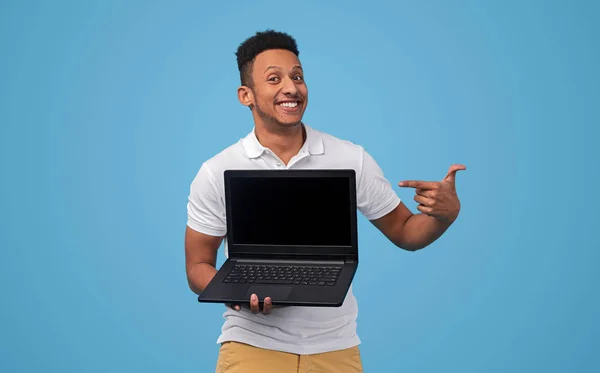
[(419, 184)]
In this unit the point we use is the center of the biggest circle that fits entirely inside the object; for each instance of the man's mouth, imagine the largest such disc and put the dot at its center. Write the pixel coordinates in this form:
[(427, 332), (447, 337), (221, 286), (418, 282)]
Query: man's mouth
[(290, 106)]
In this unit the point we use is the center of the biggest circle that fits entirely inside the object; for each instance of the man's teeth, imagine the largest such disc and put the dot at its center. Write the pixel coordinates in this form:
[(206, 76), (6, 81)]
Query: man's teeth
[(289, 104)]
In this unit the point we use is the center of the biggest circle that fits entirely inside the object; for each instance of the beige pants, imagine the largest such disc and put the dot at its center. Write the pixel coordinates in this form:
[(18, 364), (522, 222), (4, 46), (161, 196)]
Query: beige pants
[(237, 357)]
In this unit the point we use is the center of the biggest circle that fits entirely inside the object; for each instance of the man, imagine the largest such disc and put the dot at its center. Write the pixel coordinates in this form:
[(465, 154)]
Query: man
[(292, 339)]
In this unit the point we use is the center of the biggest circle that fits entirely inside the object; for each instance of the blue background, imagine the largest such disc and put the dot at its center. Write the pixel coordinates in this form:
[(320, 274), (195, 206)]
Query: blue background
[(107, 110)]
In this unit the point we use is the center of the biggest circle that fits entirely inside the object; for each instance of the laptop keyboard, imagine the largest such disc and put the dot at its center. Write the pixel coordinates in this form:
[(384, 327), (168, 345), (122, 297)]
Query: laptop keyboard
[(283, 274)]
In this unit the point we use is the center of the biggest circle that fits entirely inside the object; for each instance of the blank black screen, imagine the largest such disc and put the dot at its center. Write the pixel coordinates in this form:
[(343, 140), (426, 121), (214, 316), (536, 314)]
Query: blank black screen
[(291, 211)]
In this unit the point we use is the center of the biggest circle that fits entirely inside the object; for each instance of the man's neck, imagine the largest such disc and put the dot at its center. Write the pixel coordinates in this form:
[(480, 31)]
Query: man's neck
[(285, 143)]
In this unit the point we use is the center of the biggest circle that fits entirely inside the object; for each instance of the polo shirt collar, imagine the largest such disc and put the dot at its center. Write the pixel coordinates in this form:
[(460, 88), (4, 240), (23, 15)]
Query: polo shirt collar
[(254, 149)]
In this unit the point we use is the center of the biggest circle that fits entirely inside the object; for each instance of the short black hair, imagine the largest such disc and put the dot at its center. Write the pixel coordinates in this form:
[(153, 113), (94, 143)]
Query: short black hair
[(260, 42)]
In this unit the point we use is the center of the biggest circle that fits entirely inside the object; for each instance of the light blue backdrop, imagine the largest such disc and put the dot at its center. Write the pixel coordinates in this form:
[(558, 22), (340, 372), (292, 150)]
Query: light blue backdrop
[(107, 110)]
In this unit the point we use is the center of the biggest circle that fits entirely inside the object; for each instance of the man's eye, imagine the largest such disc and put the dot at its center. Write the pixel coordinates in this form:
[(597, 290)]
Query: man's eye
[(298, 78), (274, 79)]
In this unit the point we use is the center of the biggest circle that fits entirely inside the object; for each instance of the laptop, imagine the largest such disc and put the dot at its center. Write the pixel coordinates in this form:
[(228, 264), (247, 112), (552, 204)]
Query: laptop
[(291, 236)]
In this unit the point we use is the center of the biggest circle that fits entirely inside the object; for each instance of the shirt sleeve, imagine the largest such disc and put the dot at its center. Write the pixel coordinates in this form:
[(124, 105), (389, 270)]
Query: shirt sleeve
[(375, 196), (206, 208)]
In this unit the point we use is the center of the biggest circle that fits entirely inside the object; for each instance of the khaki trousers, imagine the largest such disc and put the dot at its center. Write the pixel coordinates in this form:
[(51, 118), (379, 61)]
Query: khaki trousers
[(237, 357)]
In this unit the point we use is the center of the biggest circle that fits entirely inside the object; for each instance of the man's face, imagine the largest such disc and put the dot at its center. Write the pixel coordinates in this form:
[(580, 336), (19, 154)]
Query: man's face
[(280, 94)]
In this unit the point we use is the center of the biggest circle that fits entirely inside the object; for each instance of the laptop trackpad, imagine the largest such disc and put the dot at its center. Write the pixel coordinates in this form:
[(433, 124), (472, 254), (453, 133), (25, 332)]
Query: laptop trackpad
[(274, 292)]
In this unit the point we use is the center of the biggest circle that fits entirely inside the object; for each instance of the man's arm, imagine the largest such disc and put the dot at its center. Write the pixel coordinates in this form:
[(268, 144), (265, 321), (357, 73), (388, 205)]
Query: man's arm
[(439, 206), (200, 258), (410, 231), (200, 266)]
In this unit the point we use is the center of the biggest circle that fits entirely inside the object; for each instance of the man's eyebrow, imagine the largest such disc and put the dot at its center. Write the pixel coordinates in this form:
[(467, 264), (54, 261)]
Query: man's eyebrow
[(272, 67), (279, 68)]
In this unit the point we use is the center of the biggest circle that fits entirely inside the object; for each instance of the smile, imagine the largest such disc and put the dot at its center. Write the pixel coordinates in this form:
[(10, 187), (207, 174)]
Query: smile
[(289, 104)]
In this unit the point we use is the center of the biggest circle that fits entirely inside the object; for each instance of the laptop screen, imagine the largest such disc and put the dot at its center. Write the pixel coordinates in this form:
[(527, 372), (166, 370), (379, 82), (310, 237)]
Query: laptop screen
[(292, 210)]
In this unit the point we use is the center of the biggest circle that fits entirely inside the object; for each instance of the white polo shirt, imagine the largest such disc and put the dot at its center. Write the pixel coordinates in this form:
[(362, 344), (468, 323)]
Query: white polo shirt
[(300, 330)]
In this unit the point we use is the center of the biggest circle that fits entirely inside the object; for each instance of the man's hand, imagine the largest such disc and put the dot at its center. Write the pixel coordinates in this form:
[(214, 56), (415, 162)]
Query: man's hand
[(255, 306), (438, 198)]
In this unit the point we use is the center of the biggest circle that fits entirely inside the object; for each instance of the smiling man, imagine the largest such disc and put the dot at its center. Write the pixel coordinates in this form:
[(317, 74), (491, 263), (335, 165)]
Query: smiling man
[(297, 339), (273, 88)]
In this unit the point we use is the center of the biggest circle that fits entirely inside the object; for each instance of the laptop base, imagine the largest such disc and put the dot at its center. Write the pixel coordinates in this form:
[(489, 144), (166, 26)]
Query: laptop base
[(311, 291)]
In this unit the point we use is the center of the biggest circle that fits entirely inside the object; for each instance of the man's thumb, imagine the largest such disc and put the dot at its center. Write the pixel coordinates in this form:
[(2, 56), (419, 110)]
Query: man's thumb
[(451, 175)]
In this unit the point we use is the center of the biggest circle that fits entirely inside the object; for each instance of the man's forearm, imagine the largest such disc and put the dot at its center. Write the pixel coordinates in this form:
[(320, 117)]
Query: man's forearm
[(421, 230), (200, 275)]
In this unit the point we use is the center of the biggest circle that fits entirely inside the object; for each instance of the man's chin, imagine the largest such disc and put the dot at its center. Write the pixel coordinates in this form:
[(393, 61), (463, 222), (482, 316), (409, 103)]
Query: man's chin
[(285, 122), (290, 124), (290, 121)]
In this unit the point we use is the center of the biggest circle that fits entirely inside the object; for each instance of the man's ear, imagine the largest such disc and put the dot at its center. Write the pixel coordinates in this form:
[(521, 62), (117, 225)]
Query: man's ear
[(246, 96)]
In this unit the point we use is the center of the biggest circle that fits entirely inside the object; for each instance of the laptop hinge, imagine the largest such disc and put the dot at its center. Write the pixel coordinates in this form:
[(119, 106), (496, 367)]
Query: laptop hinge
[(286, 260)]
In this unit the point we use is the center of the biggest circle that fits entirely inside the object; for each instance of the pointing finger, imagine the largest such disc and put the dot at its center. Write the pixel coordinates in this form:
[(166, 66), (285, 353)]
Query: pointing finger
[(419, 184)]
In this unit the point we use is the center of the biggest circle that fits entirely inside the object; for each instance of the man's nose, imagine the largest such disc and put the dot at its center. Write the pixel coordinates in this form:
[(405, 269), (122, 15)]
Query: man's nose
[(289, 87)]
